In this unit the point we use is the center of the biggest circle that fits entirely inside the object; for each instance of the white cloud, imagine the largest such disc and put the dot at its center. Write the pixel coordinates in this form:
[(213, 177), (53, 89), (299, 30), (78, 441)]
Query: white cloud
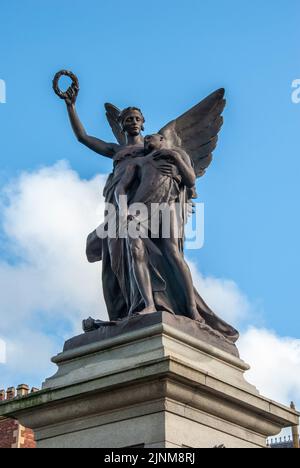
[(275, 364), (223, 296), (50, 287), (47, 218), (2, 352)]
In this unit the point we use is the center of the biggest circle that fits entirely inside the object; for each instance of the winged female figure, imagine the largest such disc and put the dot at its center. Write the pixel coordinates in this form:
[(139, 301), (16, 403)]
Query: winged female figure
[(144, 275)]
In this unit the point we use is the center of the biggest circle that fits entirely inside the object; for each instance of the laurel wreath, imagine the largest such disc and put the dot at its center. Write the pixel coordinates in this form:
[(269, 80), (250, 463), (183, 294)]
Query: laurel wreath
[(74, 86)]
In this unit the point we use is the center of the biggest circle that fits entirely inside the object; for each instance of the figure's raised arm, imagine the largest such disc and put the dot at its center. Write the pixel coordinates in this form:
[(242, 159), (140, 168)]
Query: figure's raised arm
[(70, 97), (95, 144)]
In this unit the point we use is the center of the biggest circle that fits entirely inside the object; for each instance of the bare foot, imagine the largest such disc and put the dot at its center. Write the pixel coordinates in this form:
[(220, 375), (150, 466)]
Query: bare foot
[(147, 310)]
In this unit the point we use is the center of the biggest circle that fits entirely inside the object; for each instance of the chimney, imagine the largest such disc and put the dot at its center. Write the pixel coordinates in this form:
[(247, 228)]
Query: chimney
[(11, 393), (22, 390)]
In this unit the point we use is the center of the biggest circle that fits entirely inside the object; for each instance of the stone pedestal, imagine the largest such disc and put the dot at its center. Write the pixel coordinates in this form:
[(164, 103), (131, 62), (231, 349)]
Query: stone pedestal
[(153, 383)]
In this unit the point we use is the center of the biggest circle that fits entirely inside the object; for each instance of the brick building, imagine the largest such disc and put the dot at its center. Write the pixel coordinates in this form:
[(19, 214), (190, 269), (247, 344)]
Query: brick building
[(13, 434)]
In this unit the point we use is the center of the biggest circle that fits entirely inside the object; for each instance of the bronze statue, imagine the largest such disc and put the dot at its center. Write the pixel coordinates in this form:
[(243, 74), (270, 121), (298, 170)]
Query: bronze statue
[(148, 273)]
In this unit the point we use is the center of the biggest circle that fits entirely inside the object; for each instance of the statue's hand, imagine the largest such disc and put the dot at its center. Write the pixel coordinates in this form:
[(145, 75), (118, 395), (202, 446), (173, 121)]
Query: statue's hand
[(166, 168), (72, 94), (165, 154)]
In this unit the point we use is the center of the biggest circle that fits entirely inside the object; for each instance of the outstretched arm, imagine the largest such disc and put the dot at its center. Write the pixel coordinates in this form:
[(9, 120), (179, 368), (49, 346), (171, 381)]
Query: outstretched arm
[(99, 146), (95, 144)]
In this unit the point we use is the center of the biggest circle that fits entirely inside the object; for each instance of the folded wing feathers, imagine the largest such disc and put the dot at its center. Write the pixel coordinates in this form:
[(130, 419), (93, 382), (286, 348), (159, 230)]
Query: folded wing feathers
[(202, 165), (204, 112), (201, 133), (198, 130), (112, 115)]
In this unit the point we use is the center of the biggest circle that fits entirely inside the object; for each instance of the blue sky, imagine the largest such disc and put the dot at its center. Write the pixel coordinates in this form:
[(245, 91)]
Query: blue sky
[(165, 56)]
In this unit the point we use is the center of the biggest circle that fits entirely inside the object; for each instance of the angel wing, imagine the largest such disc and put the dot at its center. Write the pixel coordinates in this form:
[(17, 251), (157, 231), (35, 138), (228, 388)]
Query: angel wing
[(112, 115), (197, 130)]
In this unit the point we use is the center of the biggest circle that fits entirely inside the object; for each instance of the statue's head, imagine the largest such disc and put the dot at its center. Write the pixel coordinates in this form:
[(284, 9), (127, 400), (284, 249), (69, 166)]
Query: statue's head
[(154, 143), (132, 121)]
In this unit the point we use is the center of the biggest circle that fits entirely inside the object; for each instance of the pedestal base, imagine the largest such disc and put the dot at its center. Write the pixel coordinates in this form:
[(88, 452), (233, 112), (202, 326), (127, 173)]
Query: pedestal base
[(155, 387)]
